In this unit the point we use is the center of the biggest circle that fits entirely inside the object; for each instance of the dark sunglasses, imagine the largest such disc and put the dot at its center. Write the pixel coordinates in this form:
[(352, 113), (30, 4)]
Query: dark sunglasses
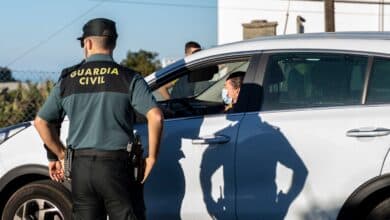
[(82, 43)]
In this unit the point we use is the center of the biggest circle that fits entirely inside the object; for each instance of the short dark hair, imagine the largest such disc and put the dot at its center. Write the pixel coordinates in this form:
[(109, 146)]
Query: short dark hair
[(236, 78), (191, 44)]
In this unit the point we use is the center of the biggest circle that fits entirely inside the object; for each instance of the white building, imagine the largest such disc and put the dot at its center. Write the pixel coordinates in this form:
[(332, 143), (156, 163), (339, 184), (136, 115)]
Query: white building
[(363, 15)]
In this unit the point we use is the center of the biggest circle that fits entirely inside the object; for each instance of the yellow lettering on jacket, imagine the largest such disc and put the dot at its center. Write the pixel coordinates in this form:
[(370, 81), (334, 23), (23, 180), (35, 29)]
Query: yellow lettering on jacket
[(83, 81), (115, 71), (94, 80), (103, 71), (80, 72), (93, 76), (87, 72), (96, 71), (73, 74)]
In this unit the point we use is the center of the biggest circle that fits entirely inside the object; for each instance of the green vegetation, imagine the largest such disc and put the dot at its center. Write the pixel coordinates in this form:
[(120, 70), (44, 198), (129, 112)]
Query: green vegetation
[(6, 75), (23, 103), (144, 62)]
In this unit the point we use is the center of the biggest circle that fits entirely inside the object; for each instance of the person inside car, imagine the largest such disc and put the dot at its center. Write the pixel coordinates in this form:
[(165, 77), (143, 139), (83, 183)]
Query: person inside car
[(231, 90)]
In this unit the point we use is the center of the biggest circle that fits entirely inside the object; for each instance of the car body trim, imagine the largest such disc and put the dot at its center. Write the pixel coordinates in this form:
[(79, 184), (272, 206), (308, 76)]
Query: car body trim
[(367, 78), (351, 207), (20, 171), (335, 51)]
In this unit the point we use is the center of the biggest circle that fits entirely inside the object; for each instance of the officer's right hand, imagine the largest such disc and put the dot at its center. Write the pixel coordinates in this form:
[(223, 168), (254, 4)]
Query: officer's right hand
[(149, 163), (56, 171)]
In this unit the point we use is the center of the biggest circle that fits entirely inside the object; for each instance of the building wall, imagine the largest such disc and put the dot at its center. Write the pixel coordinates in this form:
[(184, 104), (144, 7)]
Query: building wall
[(348, 17)]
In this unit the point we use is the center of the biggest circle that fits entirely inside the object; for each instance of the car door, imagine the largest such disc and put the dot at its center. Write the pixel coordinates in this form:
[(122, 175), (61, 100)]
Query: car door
[(194, 176), (296, 158), (374, 122)]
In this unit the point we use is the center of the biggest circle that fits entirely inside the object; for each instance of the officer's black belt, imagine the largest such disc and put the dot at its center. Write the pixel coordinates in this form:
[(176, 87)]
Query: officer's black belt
[(103, 154)]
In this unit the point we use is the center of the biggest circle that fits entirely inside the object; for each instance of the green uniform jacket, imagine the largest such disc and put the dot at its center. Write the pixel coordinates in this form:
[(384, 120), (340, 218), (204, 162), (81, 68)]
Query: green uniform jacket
[(99, 98)]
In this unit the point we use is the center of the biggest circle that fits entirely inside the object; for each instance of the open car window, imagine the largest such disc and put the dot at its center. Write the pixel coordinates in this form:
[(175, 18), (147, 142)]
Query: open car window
[(192, 83), (197, 91)]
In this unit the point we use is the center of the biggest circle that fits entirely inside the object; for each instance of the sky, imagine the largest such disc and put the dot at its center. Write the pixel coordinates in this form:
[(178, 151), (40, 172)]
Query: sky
[(40, 35)]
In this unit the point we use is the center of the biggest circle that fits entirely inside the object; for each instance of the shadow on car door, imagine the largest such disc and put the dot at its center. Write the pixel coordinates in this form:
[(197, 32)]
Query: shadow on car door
[(195, 169)]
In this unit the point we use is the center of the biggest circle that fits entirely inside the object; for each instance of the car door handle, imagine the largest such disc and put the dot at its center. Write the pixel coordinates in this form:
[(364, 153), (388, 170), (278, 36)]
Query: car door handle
[(219, 139), (368, 132)]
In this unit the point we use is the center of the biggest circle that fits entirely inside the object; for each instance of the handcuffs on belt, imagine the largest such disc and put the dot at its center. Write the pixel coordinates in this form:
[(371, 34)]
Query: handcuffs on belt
[(68, 163), (136, 158)]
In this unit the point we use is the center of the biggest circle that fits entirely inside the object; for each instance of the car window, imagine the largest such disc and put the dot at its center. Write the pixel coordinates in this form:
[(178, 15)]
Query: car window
[(302, 80), (197, 91), (186, 86), (379, 84)]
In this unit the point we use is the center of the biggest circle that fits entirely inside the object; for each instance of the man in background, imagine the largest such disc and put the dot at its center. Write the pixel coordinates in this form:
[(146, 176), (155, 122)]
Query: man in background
[(190, 48)]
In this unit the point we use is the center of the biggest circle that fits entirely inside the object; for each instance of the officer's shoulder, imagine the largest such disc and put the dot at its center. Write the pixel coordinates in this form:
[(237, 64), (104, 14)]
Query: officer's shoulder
[(66, 71), (127, 69), (130, 72)]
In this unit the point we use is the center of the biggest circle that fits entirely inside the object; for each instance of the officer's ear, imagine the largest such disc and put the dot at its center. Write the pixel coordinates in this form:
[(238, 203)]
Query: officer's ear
[(88, 43)]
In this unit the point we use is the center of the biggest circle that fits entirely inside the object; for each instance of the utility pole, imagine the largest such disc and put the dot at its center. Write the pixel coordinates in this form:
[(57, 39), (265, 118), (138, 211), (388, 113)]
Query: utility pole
[(381, 15), (329, 15), (287, 14)]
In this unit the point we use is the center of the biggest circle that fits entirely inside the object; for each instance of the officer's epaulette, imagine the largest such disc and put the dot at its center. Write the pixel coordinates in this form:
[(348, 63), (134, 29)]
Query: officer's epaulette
[(68, 70)]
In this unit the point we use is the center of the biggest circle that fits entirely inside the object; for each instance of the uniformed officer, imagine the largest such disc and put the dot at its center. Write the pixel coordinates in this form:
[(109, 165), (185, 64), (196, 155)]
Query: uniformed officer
[(100, 97)]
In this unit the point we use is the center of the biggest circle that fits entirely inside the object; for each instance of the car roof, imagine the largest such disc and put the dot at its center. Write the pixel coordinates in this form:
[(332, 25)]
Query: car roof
[(331, 35), (376, 42), (366, 42)]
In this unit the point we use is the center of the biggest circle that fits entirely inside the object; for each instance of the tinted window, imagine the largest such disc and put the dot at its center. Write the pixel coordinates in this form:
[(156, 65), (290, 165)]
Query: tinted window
[(301, 80), (379, 85)]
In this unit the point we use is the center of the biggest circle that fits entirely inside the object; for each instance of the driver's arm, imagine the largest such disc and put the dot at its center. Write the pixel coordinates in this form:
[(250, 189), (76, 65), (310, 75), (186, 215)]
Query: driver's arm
[(163, 90)]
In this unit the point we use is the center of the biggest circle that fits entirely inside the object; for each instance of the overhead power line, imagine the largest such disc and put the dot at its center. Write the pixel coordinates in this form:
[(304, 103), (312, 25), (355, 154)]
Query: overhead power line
[(51, 36)]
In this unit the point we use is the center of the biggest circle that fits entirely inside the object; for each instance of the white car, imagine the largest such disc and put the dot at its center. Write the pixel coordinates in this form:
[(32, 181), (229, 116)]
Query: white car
[(307, 139)]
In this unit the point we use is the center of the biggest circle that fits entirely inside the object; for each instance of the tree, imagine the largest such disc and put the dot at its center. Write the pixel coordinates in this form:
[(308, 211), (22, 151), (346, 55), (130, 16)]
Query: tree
[(23, 103), (143, 61), (6, 75)]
